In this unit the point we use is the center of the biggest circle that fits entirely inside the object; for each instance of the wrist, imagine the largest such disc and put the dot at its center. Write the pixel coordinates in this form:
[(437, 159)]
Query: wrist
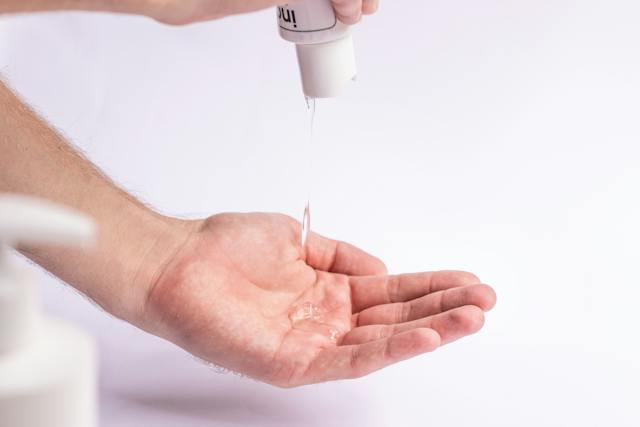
[(164, 238)]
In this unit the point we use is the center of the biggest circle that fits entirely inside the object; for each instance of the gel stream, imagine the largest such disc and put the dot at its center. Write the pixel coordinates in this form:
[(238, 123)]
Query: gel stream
[(306, 217)]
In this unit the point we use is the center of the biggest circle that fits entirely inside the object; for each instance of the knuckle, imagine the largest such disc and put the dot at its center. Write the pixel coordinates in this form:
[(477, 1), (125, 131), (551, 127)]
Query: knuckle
[(393, 288), (354, 362), (400, 312), (384, 332)]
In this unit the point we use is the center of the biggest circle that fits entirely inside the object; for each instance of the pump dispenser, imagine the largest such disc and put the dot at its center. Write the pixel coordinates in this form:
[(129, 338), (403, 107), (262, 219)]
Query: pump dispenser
[(47, 368), (324, 46)]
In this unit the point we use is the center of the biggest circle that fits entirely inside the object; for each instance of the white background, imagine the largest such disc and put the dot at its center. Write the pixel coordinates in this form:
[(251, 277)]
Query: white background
[(500, 137)]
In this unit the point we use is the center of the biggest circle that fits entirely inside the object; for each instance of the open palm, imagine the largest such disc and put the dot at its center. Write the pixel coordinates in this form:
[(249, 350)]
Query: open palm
[(244, 294)]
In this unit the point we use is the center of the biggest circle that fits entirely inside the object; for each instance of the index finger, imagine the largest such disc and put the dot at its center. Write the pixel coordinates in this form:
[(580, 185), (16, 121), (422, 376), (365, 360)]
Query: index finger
[(335, 256), (370, 291)]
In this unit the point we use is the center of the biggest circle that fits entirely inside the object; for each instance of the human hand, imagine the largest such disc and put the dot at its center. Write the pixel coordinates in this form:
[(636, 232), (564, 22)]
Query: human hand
[(179, 12), (242, 293)]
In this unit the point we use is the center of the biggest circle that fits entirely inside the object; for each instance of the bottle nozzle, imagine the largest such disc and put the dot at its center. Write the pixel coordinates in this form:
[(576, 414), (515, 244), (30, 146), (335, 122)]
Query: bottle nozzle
[(30, 220), (326, 68)]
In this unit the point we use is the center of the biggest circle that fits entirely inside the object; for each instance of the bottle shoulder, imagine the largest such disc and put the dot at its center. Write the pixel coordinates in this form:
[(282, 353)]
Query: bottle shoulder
[(335, 32)]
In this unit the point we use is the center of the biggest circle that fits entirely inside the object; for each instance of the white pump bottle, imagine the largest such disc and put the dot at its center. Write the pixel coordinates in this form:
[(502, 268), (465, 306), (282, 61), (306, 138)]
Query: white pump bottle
[(47, 368), (323, 44)]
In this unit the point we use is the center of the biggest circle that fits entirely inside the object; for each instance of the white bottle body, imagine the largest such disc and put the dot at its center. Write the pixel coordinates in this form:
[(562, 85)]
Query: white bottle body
[(310, 21), (323, 45), (47, 367)]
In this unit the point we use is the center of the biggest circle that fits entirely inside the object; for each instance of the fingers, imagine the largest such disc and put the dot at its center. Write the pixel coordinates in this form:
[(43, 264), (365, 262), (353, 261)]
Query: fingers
[(340, 257), (352, 361), (348, 11), (481, 296), (451, 325), (370, 6), (351, 11), (372, 291)]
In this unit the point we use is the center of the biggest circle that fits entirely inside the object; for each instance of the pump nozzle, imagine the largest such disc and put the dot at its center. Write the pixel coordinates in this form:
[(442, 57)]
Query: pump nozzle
[(30, 220)]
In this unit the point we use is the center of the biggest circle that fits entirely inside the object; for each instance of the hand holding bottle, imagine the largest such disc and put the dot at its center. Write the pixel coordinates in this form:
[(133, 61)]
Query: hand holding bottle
[(181, 12), (178, 12)]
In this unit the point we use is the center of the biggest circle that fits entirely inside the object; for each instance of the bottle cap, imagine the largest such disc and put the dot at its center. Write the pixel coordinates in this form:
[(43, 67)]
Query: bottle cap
[(326, 68)]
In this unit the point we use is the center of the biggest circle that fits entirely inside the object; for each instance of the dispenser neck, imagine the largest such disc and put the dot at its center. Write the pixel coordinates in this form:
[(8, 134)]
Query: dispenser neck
[(18, 305)]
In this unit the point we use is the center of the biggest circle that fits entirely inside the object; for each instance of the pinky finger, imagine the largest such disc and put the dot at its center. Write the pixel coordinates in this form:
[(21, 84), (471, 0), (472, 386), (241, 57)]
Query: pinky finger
[(353, 361)]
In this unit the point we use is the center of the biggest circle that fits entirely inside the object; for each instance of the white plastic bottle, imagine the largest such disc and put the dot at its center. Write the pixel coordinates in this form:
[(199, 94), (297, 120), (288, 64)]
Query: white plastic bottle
[(47, 367), (323, 44)]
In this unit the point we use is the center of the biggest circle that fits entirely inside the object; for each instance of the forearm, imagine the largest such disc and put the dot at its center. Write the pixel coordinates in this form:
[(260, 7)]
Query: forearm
[(133, 242), (122, 6)]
